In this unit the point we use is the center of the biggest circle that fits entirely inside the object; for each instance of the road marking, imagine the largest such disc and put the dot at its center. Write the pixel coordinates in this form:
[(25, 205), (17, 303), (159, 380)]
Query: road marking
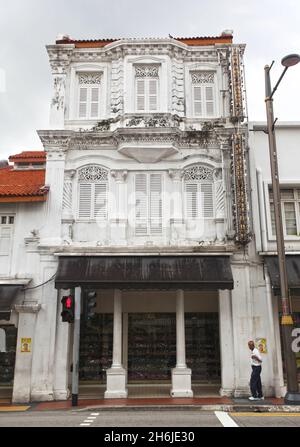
[(89, 419), (257, 413), (225, 419), (14, 408)]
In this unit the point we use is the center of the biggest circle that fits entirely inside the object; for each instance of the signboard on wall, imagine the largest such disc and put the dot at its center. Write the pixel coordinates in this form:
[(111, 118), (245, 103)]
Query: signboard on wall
[(25, 344), (261, 345)]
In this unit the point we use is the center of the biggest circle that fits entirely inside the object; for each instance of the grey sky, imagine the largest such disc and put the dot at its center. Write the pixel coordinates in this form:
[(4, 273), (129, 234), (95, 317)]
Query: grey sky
[(270, 29)]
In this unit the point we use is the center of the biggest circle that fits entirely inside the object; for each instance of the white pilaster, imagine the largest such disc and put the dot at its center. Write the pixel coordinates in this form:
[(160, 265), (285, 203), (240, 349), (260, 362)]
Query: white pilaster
[(119, 221), (116, 376), (43, 361), (23, 364), (177, 219), (59, 58), (62, 346), (226, 343), (55, 144), (181, 375)]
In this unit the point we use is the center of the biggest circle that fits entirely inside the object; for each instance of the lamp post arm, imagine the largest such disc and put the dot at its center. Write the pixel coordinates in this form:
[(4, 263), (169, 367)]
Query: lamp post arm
[(278, 82)]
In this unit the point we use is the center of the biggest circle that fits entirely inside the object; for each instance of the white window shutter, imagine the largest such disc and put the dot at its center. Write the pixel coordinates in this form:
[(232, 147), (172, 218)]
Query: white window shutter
[(191, 192), (141, 208), (209, 99), (100, 201), (140, 94), (153, 90), (94, 102), (5, 239), (83, 97), (155, 203), (85, 201), (197, 100), (207, 200)]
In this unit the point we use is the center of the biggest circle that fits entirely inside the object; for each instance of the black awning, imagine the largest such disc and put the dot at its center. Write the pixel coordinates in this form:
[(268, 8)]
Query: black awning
[(293, 273), (8, 294), (145, 272)]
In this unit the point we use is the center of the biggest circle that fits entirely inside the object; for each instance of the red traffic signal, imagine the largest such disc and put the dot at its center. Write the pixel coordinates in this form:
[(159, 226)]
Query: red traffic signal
[(68, 308)]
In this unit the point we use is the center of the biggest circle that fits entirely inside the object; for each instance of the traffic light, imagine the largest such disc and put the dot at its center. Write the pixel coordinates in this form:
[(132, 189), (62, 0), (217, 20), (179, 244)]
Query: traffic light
[(91, 303), (68, 308)]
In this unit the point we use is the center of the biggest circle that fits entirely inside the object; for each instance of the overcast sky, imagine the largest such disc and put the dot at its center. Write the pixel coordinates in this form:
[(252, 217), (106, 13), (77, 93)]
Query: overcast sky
[(269, 28)]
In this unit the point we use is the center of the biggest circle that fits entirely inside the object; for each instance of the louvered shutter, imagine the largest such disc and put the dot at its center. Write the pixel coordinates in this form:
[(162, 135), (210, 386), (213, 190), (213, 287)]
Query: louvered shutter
[(100, 201), (191, 193), (207, 206), (83, 94), (153, 90), (85, 201), (155, 203), (197, 100), (94, 102), (141, 208), (209, 99), (140, 92), (5, 239)]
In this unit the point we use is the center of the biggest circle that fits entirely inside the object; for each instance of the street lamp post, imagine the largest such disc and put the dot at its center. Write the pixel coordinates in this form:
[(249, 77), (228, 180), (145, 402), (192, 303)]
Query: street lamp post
[(292, 396)]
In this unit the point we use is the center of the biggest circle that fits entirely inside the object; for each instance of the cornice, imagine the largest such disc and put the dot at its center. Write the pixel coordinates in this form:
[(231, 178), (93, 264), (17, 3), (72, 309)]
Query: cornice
[(60, 57), (55, 139), (174, 50)]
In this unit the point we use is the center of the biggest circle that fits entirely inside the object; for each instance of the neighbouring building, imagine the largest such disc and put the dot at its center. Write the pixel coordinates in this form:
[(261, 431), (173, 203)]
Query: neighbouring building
[(146, 201), (287, 137)]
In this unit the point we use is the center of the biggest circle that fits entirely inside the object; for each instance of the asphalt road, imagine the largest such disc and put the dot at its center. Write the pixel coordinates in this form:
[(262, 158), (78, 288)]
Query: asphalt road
[(142, 418)]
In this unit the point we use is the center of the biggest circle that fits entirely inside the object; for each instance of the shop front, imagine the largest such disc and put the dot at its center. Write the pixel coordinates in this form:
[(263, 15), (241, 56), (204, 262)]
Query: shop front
[(159, 325)]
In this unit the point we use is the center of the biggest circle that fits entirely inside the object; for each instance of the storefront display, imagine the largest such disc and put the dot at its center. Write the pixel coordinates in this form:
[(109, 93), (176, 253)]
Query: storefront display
[(7, 354), (95, 348), (151, 347)]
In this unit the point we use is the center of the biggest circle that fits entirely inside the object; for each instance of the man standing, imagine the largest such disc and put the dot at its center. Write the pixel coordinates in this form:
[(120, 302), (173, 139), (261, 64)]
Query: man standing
[(255, 381)]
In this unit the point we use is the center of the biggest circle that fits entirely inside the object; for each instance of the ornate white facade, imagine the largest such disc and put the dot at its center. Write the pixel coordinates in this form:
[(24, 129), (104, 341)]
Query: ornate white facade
[(146, 155)]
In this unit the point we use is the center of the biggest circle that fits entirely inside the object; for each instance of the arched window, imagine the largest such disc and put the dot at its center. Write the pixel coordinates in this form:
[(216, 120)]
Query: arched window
[(199, 193), (93, 190)]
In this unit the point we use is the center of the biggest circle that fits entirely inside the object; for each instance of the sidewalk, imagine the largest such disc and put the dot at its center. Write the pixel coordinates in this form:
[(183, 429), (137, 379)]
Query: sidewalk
[(203, 404)]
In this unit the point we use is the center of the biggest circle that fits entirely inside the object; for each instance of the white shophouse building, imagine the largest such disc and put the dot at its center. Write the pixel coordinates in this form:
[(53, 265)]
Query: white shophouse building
[(148, 206)]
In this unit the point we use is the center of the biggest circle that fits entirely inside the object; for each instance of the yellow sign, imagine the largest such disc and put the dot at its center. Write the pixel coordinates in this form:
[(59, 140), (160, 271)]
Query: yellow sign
[(261, 344), (25, 344)]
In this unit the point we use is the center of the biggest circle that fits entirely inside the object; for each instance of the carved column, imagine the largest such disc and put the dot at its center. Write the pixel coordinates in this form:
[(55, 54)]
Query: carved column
[(116, 376), (119, 213), (67, 208), (59, 57), (181, 375), (219, 204), (177, 218)]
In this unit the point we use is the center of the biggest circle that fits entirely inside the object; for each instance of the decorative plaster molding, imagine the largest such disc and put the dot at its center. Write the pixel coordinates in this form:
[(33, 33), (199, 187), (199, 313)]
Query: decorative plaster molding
[(146, 70), (202, 77), (56, 141), (119, 175), (176, 174), (92, 173), (60, 57), (27, 308), (89, 78), (198, 172)]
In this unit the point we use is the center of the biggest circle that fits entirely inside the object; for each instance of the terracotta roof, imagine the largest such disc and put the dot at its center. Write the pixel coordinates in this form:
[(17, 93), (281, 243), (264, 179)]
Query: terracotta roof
[(29, 156), (22, 186), (192, 41)]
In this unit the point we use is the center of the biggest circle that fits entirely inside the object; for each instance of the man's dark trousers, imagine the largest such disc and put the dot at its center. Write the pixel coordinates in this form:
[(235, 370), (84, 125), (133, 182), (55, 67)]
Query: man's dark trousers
[(255, 382)]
